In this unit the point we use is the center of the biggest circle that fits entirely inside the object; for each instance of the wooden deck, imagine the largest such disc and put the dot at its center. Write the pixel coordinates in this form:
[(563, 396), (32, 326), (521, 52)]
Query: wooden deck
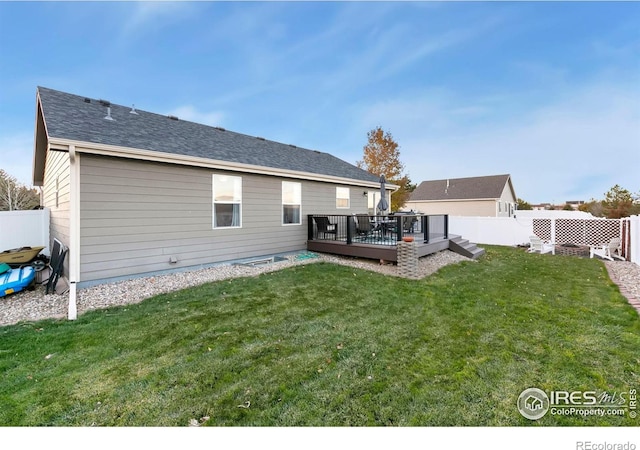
[(376, 237), (373, 251)]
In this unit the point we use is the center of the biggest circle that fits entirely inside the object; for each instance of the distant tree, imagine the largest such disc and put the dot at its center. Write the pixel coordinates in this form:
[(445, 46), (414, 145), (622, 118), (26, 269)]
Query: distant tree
[(381, 156), (567, 207), (619, 202), (524, 206), (594, 207), (16, 196), (400, 197)]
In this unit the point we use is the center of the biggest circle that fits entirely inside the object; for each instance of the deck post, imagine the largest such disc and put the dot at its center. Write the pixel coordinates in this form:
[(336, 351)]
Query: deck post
[(310, 227), (425, 228), (350, 227), (446, 226), (399, 228)]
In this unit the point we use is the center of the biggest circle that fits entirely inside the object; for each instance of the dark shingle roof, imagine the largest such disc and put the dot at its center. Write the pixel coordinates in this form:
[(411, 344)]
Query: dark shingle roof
[(461, 188), (69, 116)]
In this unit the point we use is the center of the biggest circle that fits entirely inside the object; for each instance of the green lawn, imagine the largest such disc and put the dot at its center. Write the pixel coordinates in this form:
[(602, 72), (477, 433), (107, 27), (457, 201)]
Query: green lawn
[(327, 345)]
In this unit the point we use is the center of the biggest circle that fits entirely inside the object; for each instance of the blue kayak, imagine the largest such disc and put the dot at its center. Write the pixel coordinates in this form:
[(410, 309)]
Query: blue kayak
[(15, 280)]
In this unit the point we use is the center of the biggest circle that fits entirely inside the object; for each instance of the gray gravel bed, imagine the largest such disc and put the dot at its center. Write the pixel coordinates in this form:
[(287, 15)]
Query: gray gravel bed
[(626, 275), (36, 305)]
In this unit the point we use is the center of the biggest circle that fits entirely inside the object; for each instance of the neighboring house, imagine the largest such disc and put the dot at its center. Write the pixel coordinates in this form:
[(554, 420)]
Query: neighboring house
[(492, 196), (132, 192), (574, 204), (553, 214)]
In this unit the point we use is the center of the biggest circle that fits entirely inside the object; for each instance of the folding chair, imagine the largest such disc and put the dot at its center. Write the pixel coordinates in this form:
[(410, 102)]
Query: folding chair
[(56, 265)]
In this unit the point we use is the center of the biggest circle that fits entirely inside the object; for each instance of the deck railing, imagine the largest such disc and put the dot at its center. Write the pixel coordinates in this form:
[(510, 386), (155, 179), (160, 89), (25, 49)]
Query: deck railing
[(377, 230)]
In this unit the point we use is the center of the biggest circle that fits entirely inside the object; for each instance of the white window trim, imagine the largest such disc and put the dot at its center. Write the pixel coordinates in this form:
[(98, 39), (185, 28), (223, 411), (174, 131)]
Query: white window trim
[(348, 198), (214, 203), (291, 204)]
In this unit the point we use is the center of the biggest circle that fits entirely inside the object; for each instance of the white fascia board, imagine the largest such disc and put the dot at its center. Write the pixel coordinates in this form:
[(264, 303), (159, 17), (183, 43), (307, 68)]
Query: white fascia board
[(456, 200), (172, 158)]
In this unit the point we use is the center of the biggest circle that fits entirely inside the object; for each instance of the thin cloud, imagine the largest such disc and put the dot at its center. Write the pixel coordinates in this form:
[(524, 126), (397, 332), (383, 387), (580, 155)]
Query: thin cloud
[(551, 152), (589, 135), (191, 113), (153, 16)]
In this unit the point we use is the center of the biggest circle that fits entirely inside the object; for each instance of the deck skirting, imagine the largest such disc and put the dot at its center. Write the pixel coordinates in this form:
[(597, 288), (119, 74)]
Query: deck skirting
[(369, 251)]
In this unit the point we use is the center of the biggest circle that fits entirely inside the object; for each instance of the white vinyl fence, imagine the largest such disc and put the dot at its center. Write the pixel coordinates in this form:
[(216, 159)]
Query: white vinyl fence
[(24, 229), (517, 230), (634, 239), (492, 230)]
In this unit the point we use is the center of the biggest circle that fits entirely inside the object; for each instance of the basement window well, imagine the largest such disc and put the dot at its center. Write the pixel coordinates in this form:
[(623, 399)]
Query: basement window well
[(259, 262)]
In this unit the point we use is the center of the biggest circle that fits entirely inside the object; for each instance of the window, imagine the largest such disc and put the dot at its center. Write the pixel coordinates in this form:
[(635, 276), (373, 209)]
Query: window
[(227, 201), (342, 197), (291, 203)]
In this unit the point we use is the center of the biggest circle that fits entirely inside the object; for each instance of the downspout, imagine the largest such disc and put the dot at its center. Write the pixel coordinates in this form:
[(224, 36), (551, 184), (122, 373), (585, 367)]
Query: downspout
[(74, 230), (391, 192)]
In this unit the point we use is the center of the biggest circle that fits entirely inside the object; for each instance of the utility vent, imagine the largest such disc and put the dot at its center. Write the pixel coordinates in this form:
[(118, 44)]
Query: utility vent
[(261, 138), (104, 102), (294, 146), (108, 116), (220, 128), (172, 117), (87, 100), (318, 152), (133, 110)]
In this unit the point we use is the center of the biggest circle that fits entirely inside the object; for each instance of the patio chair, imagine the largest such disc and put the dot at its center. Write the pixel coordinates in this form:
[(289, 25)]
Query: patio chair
[(325, 227), (56, 265), (408, 222), (363, 225), (540, 246), (607, 251)]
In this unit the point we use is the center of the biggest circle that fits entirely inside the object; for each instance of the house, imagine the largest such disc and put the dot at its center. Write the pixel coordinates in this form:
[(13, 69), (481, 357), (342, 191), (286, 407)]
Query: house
[(492, 196), (133, 192), (533, 403), (573, 204)]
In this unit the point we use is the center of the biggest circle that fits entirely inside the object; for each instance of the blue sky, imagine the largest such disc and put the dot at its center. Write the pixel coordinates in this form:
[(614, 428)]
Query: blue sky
[(546, 91)]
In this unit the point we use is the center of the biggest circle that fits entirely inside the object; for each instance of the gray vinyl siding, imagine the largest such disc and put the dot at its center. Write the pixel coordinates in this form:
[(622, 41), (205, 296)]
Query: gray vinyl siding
[(135, 215), (57, 167)]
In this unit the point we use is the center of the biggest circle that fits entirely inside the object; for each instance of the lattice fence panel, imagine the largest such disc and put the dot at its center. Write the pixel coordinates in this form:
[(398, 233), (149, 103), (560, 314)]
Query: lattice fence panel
[(570, 231), (577, 231), (601, 231), (542, 228)]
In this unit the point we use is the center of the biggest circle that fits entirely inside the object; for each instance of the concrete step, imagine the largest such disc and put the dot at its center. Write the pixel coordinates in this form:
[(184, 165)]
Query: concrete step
[(465, 248)]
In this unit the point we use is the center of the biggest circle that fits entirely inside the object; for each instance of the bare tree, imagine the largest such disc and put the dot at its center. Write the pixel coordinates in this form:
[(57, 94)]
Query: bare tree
[(14, 195)]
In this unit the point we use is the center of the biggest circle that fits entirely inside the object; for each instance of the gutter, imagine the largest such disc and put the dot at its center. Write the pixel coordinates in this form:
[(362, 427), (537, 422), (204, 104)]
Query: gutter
[(457, 200)]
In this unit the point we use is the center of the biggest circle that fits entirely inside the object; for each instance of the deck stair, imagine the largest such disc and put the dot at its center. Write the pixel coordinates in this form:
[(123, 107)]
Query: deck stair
[(465, 248)]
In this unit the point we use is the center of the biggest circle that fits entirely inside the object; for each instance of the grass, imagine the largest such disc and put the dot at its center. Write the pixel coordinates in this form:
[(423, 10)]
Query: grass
[(327, 345)]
